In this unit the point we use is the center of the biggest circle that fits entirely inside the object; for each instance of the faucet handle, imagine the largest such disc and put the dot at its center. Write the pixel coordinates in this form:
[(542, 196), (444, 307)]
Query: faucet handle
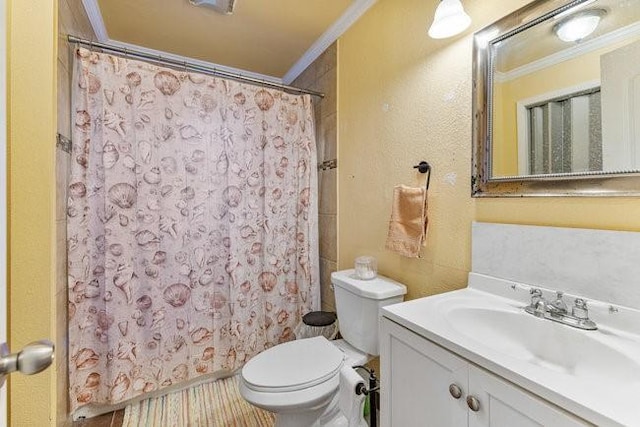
[(580, 310), (536, 297)]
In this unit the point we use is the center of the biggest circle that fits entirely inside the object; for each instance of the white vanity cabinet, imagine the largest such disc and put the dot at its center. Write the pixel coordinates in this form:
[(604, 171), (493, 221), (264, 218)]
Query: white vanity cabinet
[(425, 385)]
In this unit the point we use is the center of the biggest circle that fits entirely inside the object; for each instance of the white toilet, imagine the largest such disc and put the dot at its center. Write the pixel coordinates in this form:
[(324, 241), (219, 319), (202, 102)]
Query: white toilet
[(299, 380)]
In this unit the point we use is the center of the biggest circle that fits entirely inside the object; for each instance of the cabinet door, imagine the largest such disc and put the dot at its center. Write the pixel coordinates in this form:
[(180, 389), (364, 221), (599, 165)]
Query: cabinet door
[(503, 404), (416, 375)]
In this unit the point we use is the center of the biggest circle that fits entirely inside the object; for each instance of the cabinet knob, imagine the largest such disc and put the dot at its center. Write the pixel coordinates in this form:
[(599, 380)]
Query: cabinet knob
[(455, 391), (473, 403)]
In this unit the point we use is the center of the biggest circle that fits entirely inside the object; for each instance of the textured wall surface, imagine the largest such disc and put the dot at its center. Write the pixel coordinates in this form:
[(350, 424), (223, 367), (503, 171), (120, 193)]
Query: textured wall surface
[(321, 76), (402, 98), (72, 19)]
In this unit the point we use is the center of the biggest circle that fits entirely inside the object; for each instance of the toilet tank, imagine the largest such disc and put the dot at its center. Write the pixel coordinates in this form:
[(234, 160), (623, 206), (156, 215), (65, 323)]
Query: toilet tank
[(358, 304)]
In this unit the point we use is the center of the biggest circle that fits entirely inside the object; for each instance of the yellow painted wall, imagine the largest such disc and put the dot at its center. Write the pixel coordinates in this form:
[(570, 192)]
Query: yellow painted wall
[(402, 98), (32, 124)]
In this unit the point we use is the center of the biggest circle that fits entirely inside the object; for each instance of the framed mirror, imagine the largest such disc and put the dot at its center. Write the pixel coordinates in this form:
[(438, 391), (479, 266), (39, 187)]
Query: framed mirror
[(557, 101)]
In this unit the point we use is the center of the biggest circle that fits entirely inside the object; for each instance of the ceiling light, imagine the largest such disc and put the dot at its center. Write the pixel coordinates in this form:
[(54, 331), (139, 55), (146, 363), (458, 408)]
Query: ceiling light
[(579, 25), (450, 19)]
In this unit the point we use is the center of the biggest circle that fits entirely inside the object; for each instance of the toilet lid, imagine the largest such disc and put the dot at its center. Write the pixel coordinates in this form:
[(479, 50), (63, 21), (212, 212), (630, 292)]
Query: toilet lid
[(294, 365)]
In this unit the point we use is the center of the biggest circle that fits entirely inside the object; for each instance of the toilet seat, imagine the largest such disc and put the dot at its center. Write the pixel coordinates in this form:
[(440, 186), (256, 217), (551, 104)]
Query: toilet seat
[(293, 366)]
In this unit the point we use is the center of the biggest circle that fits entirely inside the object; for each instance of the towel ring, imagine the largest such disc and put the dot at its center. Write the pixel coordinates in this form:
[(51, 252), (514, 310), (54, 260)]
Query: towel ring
[(424, 167)]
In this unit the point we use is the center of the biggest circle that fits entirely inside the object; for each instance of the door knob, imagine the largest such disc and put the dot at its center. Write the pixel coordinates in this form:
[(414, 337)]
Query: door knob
[(34, 357)]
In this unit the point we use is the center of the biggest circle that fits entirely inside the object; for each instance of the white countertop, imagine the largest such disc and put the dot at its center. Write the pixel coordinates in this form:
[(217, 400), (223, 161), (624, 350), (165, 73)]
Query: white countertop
[(608, 397)]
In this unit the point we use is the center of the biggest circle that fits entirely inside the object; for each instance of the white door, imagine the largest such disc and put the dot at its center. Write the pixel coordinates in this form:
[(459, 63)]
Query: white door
[(502, 404), (621, 108)]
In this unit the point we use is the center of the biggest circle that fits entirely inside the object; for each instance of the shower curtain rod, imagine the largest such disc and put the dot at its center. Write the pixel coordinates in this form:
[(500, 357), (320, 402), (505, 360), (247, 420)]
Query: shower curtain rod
[(191, 66)]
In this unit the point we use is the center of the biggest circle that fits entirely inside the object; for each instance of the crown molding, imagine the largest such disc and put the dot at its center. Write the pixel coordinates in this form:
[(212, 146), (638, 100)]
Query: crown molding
[(572, 52), (95, 18), (342, 24), (338, 28), (97, 23)]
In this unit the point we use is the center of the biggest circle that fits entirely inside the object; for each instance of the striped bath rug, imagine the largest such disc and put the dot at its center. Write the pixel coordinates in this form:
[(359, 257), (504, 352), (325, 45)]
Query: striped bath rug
[(214, 404)]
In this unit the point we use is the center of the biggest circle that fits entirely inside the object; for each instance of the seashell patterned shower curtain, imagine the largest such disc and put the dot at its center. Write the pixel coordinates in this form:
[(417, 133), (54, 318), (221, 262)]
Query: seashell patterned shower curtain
[(192, 226)]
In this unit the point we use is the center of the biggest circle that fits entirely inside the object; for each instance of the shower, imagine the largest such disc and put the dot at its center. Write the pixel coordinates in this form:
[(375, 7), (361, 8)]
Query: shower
[(192, 226)]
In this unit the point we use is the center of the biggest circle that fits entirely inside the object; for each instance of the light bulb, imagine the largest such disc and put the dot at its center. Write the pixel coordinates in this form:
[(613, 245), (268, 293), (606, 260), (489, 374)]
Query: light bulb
[(578, 26), (450, 19)]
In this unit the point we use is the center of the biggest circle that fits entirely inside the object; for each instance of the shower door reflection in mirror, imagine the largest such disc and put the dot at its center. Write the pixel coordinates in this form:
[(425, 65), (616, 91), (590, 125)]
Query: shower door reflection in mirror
[(565, 93)]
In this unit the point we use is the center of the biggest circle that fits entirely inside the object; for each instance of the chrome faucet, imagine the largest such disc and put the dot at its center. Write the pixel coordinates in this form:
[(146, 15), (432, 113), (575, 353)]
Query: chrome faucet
[(558, 306), (558, 311)]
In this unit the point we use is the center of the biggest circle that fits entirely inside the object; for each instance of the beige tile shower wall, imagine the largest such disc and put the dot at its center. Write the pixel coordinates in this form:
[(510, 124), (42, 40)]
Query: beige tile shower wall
[(321, 76), (72, 19)]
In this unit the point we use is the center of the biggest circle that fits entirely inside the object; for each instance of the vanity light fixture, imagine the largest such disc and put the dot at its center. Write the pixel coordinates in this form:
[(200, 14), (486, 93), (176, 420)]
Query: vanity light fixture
[(450, 19), (579, 25)]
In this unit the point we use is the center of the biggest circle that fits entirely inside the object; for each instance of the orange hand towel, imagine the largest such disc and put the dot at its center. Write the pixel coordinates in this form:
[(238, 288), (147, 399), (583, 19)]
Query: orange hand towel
[(408, 224)]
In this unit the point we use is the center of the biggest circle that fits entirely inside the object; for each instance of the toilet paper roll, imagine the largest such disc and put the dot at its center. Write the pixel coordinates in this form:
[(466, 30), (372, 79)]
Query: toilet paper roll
[(351, 404)]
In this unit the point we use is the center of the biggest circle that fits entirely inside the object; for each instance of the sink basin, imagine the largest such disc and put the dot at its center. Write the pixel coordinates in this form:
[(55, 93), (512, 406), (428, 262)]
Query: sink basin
[(549, 345), (593, 374)]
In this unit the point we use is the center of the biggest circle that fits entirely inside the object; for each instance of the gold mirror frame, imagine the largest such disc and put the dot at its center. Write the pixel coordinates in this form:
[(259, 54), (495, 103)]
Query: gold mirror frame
[(589, 184)]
